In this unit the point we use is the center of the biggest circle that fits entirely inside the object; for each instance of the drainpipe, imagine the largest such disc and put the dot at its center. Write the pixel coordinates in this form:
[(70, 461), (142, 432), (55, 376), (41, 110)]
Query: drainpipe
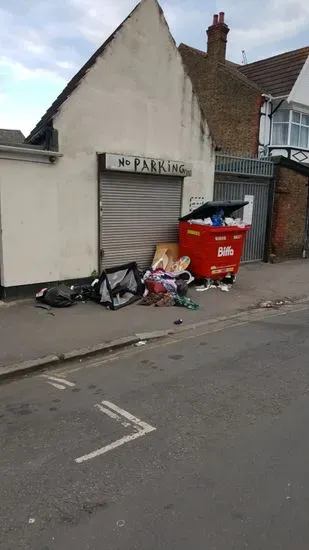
[(306, 235), (266, 142)]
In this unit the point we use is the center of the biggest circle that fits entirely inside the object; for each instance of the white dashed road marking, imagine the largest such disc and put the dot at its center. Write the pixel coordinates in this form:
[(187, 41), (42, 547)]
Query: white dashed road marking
[(113, 415), (113, 411), (58, 386), (59, 383)]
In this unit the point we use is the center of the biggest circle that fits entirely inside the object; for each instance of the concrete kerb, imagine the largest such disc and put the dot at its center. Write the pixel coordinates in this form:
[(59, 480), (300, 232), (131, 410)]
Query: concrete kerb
[(28, 367)]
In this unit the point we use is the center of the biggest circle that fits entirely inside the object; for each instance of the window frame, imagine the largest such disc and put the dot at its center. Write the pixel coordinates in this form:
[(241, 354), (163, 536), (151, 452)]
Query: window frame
[(289, 123)]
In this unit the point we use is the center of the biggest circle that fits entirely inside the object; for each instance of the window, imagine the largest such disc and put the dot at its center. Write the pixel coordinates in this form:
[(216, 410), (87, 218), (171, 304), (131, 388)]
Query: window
[(280, 133), (290, 128)]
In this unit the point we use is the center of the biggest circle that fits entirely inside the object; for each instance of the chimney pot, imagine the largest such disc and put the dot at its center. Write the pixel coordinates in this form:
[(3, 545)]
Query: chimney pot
[(217, 38)]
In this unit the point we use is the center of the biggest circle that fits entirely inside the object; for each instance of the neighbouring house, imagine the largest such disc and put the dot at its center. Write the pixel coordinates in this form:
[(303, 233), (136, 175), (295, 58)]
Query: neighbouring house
[(284, 83), (11, 137), (107, 171), (257, 107), (258, 110), (231, 102)]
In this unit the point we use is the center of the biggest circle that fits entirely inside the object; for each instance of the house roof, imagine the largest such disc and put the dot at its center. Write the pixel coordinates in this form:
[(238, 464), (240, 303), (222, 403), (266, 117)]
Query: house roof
[(196, 63), (11, 137), (74, 82), (276, 75)]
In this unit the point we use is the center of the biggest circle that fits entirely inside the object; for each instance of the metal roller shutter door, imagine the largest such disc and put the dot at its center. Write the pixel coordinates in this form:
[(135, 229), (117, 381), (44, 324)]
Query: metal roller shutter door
[(237, 190), (137, 212)]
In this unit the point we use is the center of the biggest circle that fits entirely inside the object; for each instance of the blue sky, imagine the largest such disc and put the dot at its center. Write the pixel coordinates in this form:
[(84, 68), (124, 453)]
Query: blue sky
[(44, 42)]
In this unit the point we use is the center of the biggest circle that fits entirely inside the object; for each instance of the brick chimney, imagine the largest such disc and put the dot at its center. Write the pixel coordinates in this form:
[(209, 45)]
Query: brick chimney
[(217, 38)]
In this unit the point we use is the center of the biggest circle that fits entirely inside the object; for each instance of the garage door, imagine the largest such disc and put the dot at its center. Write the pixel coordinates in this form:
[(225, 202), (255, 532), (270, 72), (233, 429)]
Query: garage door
[(257, 192), (137, 212)]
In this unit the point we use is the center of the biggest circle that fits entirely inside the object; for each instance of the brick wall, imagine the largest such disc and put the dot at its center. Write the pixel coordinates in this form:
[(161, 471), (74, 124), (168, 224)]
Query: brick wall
[(233, 112), (230, 103), (289, 214)]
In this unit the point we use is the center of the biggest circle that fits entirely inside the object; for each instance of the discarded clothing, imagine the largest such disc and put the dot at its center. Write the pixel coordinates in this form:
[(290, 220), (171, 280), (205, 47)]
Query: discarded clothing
[(167, 300), (152, 299), (182, 301)]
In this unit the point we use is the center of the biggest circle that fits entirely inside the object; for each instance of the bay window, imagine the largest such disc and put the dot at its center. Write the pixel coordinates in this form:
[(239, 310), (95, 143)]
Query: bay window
[(290, 128)]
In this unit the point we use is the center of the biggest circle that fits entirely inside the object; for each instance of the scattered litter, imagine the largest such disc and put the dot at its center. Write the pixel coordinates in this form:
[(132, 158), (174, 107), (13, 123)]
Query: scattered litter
[(274, 304), (31, 520), (165, 256), (181, 265), (224, 287), (225, 284), (267, 304), (141, 343), (207, 286), (166, 282), (121, 523)]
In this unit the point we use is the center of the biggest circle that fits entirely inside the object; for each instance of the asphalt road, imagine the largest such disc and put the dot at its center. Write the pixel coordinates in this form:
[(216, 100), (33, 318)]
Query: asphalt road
[(199, 443)]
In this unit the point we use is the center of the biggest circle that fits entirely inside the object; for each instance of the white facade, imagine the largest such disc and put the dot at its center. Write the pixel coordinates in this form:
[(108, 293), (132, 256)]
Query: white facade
[(135, 100), (284, 126), (300, 92)]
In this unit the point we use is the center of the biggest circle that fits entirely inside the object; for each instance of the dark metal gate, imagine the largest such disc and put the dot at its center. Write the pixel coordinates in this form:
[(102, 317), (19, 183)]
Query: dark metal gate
[(250, 180)]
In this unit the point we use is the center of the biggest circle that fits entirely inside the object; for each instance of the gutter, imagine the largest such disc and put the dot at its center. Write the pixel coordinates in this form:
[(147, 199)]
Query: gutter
[(53, 155), (273, 98)]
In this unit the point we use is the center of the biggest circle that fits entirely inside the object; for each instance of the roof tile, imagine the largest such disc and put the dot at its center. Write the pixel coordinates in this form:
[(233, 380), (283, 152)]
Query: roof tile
[(276, 75), (11, 137)]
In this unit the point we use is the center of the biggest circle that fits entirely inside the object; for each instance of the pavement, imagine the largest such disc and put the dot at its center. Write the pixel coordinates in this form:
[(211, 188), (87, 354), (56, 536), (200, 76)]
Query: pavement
[(32, 337), (199, 441)]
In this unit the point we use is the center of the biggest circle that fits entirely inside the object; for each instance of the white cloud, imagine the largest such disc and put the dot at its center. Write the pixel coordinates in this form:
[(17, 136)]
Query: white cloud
[(269, 32), (66, 65), (18, 120), (98, 19), (47, 41), (36, 49), (258, 29), (21, 72)]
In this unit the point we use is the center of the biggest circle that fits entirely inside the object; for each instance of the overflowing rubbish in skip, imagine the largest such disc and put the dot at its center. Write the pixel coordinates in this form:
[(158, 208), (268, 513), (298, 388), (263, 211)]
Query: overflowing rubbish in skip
[(209, 251), (214, 241)]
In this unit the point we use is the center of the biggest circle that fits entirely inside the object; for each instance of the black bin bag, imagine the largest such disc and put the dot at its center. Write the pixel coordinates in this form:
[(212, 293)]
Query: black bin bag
[(56, 296)]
